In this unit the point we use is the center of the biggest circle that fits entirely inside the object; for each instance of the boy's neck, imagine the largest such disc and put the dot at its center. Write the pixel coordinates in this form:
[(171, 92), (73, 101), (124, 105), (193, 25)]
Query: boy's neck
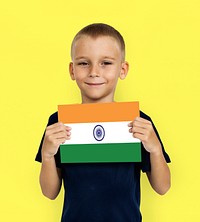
[(84, 101)]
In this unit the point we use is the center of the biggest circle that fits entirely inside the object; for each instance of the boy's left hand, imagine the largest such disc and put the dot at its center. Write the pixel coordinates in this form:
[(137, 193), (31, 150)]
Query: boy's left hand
[(142, 129)]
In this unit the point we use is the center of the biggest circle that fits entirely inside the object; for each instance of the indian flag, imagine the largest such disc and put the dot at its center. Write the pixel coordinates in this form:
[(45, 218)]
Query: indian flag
[(100, 133)]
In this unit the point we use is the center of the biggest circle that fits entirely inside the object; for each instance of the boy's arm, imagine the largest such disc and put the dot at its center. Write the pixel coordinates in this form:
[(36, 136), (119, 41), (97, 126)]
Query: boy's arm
[(159, 176), (50, 175), (50, 178)]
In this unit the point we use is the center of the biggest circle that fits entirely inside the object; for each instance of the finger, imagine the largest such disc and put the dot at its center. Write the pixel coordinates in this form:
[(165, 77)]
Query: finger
[(63, 135), (130, 124), (59, 125), (142, 120), (60, 135), (139, 136), (63, 140), (60, 141), (68, 128), (139, 124), (55, 125), (139, 130), (145, 125), (57, 128)]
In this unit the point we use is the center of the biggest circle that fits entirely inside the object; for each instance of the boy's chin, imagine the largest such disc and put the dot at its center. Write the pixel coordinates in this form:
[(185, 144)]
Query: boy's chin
[(97, 100)]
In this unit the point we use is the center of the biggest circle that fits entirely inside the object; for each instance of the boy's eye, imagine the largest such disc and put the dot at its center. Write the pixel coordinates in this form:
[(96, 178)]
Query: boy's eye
[(106, 63), (83, 63)]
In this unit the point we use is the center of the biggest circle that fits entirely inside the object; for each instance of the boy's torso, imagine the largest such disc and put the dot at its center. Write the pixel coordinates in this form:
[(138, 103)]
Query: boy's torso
[(101, 192)]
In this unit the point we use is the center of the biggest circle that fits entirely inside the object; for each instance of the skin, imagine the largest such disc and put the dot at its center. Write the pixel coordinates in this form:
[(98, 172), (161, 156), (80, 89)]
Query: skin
[(97, 64)]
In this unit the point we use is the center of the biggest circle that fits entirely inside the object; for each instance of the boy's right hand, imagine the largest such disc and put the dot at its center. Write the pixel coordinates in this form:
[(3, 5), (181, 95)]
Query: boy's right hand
[(55, 135)]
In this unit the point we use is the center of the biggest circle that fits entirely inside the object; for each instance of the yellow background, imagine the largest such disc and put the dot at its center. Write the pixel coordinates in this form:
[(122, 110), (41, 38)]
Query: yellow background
[(163, 49)]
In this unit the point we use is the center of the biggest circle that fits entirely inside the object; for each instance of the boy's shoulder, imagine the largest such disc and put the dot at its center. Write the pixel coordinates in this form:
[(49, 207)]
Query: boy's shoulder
[(53, 118), (145, 116)]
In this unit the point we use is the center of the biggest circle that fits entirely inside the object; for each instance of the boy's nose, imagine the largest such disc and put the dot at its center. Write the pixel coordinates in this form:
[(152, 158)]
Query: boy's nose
[(94, 71)]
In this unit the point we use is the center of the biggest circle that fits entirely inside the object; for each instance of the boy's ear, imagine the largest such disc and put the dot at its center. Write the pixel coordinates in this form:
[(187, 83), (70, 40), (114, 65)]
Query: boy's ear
[(71, 70), (124, 70)]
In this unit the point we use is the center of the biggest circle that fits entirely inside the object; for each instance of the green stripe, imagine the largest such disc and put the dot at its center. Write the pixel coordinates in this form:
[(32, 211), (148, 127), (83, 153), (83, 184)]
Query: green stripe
[(107, 152)]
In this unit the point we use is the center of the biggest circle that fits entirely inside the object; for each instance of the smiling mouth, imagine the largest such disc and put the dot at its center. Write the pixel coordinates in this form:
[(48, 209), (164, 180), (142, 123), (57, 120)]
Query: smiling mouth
[(94, 84)]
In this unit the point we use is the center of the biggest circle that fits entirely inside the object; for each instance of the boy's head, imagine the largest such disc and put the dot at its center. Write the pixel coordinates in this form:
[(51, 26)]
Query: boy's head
[(98, 52), (98, 30)]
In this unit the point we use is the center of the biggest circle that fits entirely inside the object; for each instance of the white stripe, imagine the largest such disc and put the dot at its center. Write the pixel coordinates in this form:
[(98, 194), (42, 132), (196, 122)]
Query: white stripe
[(115, 132)]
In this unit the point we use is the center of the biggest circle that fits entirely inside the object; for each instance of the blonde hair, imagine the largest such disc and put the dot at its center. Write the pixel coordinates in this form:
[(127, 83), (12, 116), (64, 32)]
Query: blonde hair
[(100, 29)]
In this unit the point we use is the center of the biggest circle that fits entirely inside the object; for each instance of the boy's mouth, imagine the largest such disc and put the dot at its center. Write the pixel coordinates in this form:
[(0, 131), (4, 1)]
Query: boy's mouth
[(94, 83)]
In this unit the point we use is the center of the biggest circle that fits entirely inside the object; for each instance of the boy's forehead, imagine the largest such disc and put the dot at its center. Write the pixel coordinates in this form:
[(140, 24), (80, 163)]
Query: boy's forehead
[(102, 43), (88, 40)]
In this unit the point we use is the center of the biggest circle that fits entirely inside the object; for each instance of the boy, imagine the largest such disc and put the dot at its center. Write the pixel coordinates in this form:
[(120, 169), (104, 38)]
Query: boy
[(103, 192)]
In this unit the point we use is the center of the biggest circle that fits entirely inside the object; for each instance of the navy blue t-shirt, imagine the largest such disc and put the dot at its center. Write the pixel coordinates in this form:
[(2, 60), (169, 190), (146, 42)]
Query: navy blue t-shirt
[(102, 192)]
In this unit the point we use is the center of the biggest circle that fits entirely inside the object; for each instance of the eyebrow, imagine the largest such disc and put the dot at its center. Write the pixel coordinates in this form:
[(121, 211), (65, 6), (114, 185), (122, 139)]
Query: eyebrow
[(81, 57), (85, 57), (108, 57)]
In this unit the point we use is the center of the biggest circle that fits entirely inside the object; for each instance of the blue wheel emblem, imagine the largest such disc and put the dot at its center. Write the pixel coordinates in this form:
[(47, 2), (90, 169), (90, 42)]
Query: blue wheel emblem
[(98, 132)]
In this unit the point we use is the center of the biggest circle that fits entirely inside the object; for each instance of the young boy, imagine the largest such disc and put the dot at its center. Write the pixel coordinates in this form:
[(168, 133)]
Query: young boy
[(101, 192)]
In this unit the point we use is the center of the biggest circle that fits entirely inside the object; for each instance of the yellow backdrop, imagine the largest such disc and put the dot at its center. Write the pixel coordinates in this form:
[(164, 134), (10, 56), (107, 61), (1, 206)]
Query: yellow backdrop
[(163, 50)]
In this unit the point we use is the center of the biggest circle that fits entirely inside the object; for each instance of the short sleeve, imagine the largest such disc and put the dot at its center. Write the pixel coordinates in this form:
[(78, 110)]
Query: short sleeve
[(52, 119), (145, 164)]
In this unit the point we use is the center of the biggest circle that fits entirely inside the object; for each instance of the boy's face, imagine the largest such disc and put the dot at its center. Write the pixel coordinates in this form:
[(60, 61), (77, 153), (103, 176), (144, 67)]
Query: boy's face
[(97, 65)]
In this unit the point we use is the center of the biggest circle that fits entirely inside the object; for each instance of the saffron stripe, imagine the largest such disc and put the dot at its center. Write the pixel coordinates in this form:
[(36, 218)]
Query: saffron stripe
[(98, 112)]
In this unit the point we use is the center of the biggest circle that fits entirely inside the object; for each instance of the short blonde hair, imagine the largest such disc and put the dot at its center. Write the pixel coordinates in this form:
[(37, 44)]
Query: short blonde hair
[(100, 29)]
